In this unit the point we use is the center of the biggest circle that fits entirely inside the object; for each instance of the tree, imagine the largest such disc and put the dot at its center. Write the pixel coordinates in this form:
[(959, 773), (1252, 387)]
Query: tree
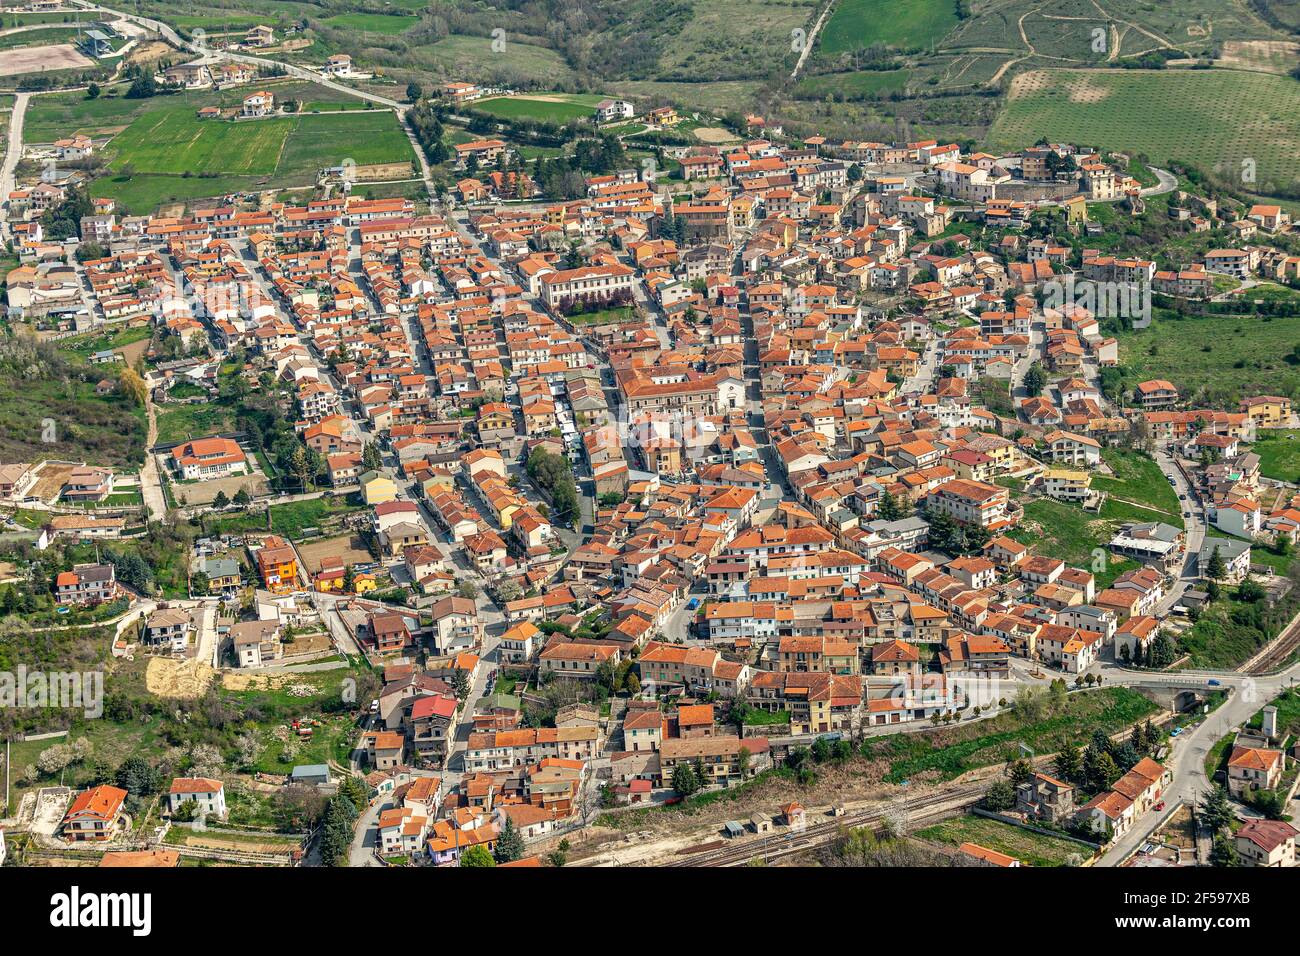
[(1215, 568), (1020, 771), (1034, 380), (414, 92), (685, 780), (370, 457), (560, 855), (349, 579), (220, 501), (301, 466), (460, 683), (1000, 796), (133, 386), (742, 762), (889, 508), (92, 91), (137, 777), (510, 843), (477, 855), (1069, 763), (1215, 810), (242, 498), (200, 583), (1223, 853)]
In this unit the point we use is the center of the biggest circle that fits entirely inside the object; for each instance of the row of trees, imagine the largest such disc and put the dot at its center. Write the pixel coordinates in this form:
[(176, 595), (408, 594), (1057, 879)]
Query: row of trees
[(554, 474)]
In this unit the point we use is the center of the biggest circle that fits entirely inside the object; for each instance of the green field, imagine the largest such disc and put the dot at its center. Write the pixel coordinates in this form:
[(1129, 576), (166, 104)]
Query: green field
[(55, 115), (905, 24), (389, 25), (48, 37), (1138, 479), (177, 423), (949, 752), (474, 55), (1030, 848), (1192, 116), (1279, 453), (174, 140), (168, 154), (1219, 359), (556, 108), (863, 84), (1066, 531)]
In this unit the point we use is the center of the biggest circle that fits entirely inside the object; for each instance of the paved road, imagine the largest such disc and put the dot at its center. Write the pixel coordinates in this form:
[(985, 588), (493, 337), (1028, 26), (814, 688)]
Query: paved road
[(1248, 695), (13, 153)]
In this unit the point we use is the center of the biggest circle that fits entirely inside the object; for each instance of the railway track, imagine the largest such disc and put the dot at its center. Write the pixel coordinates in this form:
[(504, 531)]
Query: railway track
[(1277, 653), (920, 812)]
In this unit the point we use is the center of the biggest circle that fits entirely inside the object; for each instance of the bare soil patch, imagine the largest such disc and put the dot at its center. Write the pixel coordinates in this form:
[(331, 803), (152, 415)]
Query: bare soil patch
[(174, 679), (41, 59)]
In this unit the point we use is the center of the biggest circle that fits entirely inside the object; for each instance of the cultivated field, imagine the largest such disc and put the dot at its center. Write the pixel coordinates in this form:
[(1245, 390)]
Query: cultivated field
[(168, 154), (548, 107), (1214, 119), (903, 24)]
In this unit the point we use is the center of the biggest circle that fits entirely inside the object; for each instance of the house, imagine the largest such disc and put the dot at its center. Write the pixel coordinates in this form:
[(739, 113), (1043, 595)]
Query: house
[(608, 111), (86, 584), (257, 104), (1045, 798), (205, 458), (1234, 554), (208, 796), (986, 857), (94, 813), (169, 629), (256, 643), (1253, 768), (259, 36), (1266, 843), (1156, 393), (277, 565)]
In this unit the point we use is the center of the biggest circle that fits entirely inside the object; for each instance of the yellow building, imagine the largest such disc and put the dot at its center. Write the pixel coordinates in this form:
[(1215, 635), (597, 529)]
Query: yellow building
[(376, 489)]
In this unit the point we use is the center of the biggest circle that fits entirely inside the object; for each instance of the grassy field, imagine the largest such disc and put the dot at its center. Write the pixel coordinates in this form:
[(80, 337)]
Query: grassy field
[(549, 107), (1219, 359), (106, 430), (173, 140), (1066, 531), (1138, 479), (1030, 848), (1194, 116), (288, 519), (177, 423), (13, 41), (948, 753), (905, 24), (863, 84), (168, 154), (474, 55), (1279, 453), (387, 24), (55, 115)]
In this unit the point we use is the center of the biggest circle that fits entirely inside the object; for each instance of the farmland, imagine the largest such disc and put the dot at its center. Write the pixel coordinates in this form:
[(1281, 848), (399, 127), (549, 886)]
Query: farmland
[(1219, 359), (387, 24), (905, 24), (1192, 116), (168, 154), (548, 107)]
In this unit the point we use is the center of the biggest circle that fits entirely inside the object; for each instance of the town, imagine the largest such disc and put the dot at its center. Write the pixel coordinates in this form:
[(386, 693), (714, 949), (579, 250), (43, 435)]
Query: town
[(775, 500)]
